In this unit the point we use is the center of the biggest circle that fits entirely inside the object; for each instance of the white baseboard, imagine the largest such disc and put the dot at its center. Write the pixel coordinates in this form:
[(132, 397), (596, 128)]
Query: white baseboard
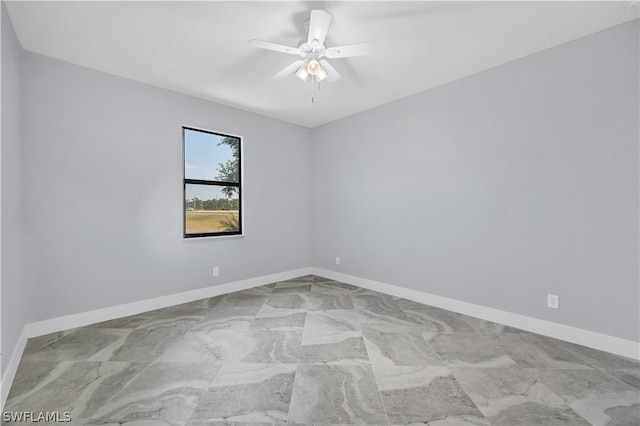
[(12, 367), (603, 342), (82, 319), (86, 318)]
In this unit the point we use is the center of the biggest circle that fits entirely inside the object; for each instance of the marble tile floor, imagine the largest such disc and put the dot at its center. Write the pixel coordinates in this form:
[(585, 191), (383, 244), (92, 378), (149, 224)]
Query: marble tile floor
[(316, 351)]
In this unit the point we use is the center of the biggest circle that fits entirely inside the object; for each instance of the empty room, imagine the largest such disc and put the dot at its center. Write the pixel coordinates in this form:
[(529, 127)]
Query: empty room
[(316, 213)]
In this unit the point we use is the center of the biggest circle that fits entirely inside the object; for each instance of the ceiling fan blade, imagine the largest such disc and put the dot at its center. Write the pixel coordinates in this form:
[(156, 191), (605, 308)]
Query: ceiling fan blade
[(289, 69), (318, 26), (358, 49), (332, 74), (274, 46)]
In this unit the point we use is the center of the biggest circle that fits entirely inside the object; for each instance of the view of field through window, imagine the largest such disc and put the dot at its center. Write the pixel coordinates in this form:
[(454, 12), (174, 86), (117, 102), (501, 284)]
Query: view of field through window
[(211, 183)]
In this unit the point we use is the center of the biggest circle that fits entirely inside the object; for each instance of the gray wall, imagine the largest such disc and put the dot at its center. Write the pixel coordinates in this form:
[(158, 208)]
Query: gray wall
[(498, 188), (17, 303), (102, 188)]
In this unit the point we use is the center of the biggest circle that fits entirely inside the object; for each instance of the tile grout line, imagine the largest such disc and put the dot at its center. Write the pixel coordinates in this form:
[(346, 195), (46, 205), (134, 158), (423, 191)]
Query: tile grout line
[(295, 377), (384, 408)]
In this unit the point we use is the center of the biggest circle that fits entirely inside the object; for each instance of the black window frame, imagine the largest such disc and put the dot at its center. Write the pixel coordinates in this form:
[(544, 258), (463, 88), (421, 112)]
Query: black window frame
[(187, 181)]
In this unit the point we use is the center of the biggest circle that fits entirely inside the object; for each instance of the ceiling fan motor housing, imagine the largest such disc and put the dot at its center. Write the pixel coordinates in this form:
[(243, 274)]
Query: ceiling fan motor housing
[(308, 51)]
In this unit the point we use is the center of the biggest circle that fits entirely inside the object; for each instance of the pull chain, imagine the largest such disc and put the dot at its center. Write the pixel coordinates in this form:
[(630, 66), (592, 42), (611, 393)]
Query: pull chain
[(312, 87)]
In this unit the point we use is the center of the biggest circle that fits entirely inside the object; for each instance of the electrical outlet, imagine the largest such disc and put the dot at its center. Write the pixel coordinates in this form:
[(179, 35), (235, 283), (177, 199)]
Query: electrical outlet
[(553, 301), (216, 271), (337, 260)]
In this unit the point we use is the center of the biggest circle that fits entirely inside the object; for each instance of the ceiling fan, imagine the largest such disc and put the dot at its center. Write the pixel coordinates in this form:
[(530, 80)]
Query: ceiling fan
[(313, 50)]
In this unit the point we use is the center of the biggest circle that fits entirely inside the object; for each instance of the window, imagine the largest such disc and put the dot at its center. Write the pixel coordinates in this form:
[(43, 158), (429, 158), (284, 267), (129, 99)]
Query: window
[(212, 184)]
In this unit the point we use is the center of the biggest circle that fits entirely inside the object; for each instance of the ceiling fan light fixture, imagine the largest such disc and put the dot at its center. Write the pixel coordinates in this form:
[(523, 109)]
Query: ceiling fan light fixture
[(321, 75), (313, 67), (302, 72)]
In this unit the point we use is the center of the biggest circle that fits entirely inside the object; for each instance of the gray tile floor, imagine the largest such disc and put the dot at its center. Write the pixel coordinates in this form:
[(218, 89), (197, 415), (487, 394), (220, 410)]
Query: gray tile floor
[(316, 351)]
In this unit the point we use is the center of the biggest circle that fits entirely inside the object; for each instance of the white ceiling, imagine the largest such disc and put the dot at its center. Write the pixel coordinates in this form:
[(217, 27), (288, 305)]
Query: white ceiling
[(201, 48)]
